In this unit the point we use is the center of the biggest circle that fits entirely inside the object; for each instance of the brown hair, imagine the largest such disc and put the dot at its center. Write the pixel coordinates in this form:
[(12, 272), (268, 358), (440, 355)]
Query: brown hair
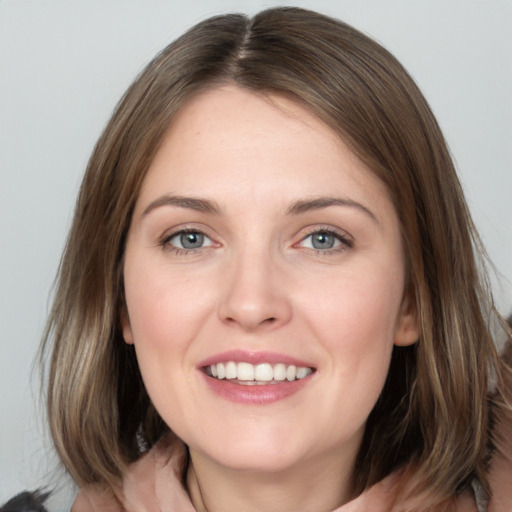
[(433, 409)]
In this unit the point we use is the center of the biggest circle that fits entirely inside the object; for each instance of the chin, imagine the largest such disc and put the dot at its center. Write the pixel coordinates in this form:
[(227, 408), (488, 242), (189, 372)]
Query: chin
[(259, 460), (250, 450)]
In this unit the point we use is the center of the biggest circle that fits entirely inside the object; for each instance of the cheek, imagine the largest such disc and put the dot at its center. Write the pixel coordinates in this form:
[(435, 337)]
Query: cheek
[(160, 301), (355, 321), (360, 306), (165, 311)]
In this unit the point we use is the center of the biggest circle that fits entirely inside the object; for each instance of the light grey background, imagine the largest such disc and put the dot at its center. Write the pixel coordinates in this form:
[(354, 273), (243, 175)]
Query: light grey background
[(63, 66)]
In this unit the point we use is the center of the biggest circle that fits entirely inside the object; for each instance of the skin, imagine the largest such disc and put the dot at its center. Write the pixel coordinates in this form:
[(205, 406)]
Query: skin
[(259, 284)]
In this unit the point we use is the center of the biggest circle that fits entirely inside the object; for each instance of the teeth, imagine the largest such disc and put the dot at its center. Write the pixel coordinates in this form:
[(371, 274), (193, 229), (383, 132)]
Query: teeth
[(264, 372), (258, 374), (221, 371), (302, 372), (245, 372), (279, 371), (231, 370)]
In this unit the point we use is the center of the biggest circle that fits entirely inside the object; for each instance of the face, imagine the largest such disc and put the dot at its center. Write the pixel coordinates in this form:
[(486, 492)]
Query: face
[(264, 281)]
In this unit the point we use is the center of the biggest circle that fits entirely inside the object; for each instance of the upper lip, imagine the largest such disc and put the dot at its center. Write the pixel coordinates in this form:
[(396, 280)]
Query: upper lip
[(252, 357)]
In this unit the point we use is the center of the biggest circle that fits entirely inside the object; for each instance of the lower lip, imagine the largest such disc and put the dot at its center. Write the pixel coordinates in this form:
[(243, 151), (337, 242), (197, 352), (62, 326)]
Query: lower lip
[(256, 394)]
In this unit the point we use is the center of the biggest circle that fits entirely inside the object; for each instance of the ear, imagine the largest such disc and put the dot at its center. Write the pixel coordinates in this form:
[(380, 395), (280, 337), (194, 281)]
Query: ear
[(126, 326), (407, 329)]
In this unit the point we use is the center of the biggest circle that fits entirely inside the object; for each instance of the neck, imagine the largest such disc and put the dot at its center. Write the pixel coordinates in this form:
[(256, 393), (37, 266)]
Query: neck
[(312, 486)]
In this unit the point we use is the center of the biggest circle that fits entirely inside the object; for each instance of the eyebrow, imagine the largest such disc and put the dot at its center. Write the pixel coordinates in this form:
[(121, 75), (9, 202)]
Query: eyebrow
[(318, 203), (296, 208), (192, 203)]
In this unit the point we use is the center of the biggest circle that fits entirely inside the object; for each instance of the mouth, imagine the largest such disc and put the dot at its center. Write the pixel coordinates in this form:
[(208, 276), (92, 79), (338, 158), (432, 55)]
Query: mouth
[(256, 377), (261, 374)]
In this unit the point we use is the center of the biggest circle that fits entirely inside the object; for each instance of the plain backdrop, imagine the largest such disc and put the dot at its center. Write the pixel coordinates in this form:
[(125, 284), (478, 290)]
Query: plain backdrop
[(64, 65)]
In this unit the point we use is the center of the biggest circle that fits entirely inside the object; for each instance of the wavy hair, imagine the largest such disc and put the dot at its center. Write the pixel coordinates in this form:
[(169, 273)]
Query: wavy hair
[(433, 410)]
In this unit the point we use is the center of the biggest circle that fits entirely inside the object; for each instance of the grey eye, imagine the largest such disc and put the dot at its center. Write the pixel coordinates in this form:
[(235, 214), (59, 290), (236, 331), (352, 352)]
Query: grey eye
[(191, 240), (323, 240), (327, 241)]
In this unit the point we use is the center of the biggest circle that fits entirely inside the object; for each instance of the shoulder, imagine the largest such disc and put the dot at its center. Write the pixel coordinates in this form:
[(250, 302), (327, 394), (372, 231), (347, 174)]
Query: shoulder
[(160, 469), (96, 499), (398, 493)]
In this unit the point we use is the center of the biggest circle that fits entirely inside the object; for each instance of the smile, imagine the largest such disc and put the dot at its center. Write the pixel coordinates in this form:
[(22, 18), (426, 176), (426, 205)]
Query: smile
[(256, 378), (257, 374)]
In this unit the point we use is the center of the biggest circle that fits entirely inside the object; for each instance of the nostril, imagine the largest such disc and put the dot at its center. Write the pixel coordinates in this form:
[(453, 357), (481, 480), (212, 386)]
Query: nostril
[(269, 320)]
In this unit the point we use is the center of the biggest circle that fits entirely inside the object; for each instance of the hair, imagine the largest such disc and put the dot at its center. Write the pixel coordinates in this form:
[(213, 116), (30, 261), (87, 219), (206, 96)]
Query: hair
[(27, 501), (433, 410)]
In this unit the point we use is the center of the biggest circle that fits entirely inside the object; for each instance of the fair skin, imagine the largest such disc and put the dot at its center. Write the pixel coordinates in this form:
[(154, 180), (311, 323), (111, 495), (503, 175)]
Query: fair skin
[(291, 257)]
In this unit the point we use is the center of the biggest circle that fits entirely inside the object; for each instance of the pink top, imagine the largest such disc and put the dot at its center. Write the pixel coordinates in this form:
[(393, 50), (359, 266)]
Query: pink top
[(155, 483)]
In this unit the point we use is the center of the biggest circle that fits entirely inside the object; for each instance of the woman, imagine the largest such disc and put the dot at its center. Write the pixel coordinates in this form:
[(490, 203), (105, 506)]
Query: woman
[(270, 297)]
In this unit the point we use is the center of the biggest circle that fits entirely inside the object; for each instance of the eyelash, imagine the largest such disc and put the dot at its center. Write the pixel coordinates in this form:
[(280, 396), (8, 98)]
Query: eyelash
[(345, 241), (179, 251)]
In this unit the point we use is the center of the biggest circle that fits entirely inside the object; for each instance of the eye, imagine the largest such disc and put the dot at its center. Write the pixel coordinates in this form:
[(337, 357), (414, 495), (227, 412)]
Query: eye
[(325, 240), (188, 240)]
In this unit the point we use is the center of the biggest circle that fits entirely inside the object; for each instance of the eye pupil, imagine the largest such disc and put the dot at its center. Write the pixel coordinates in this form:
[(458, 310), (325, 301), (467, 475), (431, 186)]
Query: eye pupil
[(191, 240), (323, 240)]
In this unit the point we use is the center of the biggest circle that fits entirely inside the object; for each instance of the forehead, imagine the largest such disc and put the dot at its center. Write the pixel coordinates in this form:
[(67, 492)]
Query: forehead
[(230, 138)]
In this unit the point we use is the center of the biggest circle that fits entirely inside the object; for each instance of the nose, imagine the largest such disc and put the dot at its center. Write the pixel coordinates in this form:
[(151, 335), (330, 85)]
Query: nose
[(254, 293)]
